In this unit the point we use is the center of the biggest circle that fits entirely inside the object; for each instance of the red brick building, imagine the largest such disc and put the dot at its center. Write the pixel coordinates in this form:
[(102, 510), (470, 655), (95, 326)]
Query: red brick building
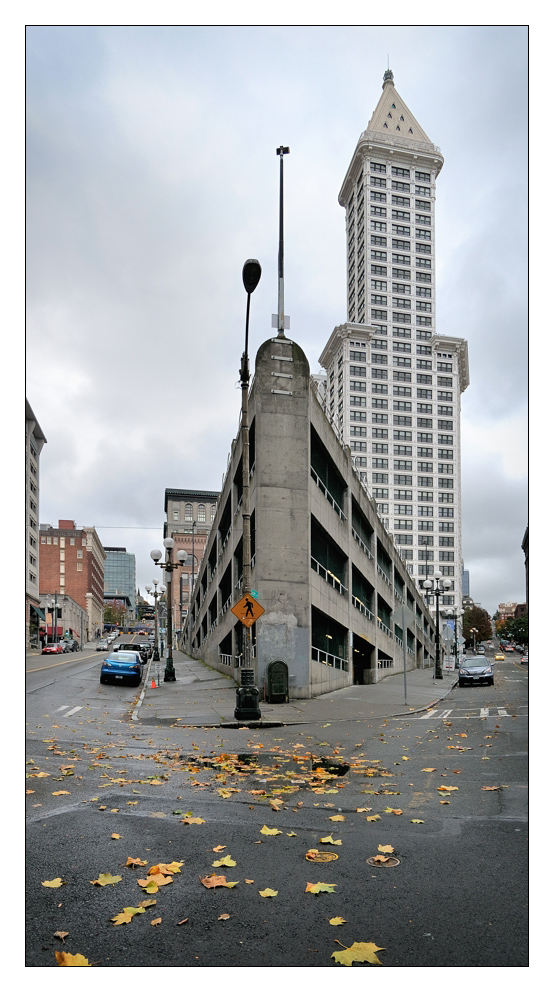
[(72, 563)]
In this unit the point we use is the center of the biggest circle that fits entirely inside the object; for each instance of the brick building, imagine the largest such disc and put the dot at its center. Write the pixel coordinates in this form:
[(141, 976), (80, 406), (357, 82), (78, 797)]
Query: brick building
[(189, 516), (72, 563)]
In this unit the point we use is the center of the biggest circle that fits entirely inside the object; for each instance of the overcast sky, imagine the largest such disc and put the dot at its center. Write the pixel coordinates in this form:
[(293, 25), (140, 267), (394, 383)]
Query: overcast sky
[(151, 178)]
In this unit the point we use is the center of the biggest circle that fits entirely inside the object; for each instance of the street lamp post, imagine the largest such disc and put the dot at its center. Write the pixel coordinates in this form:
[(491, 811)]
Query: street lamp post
[(452, 615), (474, 631), (168, 566), (156, 595), (54, 611), (247, 695), (440, 586)]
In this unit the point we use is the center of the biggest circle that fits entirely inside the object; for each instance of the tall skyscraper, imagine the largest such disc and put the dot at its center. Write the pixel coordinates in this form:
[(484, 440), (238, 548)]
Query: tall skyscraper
[(120, 576), (393, 383)]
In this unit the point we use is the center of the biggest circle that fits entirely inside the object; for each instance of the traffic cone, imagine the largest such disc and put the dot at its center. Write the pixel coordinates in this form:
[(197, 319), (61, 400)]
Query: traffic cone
[(153, 683)]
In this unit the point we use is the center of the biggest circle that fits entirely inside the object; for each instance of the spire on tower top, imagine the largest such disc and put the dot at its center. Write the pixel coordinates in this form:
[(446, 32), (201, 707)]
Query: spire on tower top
[(388, 77)]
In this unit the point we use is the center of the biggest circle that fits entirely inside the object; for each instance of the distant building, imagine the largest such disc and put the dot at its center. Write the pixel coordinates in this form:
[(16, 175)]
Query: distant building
[(72, 620), (72, 562), (189, 517), (34, 443), (506, 611), (120, 577), (465, 583)]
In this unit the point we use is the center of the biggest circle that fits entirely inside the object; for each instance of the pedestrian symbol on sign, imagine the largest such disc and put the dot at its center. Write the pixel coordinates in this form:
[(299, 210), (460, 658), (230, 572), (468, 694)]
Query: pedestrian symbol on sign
[(248, 610)]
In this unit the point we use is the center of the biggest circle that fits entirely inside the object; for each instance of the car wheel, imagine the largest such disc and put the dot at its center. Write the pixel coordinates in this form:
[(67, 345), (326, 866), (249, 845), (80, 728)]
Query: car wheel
[(491, 682), (102, 680)]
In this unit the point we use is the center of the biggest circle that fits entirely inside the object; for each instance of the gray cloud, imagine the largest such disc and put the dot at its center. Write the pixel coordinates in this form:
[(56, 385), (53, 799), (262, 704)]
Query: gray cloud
[(152, 176)]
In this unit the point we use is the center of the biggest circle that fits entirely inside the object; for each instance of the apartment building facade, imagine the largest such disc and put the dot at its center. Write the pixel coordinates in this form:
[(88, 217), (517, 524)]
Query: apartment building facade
[(324, 567), (393, 385), (189, 517), (34, 443), (72, 561)]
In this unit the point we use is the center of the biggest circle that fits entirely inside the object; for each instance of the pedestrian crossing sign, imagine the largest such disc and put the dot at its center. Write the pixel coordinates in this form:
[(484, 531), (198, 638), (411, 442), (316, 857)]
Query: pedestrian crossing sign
[(248, 610)]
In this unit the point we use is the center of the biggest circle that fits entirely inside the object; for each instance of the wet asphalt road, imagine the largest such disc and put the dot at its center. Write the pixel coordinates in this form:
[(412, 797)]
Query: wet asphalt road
[(457, 898)]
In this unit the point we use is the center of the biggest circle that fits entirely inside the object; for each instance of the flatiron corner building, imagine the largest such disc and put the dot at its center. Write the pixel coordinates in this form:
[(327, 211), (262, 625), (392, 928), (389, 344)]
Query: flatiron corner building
[(393, 384)]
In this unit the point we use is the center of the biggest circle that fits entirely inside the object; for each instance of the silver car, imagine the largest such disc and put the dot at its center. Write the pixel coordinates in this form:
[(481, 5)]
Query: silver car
[(475, 671)]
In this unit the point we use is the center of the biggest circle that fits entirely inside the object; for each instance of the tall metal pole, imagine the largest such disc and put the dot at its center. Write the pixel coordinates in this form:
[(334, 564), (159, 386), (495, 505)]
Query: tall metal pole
[(169, 674), (281, 260), (438, 671), (251, 273)]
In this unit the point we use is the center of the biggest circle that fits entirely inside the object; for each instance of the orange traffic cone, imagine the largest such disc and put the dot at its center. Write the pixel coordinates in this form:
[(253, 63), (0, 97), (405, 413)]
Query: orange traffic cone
[(153, 683)]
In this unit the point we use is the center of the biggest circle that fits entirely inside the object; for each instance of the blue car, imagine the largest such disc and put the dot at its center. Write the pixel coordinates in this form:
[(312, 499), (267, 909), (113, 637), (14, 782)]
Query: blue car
[(121, 667)]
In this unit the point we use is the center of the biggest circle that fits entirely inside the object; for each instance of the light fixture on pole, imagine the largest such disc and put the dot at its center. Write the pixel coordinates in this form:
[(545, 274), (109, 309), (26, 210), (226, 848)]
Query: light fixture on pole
[(168, 566), (440, 586), (157, 595), (474, 631), (452, 615), (247, 706)]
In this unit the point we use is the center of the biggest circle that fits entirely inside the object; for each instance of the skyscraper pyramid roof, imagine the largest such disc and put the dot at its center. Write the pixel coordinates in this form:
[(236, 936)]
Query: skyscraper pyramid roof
[(392, 116)]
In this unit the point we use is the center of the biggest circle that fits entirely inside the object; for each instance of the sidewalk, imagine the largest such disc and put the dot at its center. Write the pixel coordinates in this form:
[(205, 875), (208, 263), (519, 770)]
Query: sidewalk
[(204, 697)]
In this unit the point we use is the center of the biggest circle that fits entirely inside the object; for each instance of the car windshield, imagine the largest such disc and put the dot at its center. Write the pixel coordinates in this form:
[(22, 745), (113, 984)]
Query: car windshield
[(474, 663), (131, 662)]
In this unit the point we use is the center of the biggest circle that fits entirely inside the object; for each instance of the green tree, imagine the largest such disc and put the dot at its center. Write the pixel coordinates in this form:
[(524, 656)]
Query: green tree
[(516, 629), (475, 616)]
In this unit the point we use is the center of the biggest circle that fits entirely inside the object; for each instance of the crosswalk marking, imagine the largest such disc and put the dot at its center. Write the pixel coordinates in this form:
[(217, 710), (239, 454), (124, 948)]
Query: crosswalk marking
[(441, 716), (60, 708), (502, 712), (74, 710), (484, 711)]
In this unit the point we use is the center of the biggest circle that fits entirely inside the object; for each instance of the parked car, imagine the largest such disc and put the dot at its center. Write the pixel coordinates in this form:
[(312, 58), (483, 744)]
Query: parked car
[(481, 649), (121, 667), (475, 671), (52, 649), (132, 646), (73, 645), (147, 648), (102, 646), (525, 660)]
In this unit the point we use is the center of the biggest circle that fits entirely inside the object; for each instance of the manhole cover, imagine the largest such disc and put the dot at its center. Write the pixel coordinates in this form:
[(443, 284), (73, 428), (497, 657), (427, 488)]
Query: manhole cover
[(381, 862), (321, 856)]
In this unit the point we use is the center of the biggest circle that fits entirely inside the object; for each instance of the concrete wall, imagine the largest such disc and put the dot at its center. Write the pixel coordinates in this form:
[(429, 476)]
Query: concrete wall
[(284, 497)]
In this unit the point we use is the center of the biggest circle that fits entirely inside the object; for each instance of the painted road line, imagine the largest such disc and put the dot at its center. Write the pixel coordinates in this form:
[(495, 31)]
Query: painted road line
[(502, 712), (427, 716), (60, 708), (74, 710), (484, 711)]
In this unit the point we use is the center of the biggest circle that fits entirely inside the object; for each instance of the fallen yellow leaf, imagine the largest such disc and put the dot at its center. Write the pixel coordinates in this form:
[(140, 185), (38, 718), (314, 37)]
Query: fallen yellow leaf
[(66, 960), (53, 884)]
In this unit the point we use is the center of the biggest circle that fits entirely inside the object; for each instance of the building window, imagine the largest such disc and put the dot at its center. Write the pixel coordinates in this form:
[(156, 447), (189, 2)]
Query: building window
[(201, 513), (188, 511), (175, 512)]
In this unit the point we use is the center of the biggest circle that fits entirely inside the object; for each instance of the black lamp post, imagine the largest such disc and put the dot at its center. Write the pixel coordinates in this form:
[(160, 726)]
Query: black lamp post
[(440, 586), (157, 595), (168, 566), (452, 615), (247, 706)]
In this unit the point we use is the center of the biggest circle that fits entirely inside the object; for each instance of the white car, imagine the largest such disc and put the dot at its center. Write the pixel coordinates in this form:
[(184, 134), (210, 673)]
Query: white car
[(102, 646)]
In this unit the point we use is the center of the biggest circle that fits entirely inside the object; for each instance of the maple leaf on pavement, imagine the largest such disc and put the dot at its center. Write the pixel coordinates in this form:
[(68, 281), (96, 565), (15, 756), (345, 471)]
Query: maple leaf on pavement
[(317, 887), (226, 862), (66, 960), (106, 879), (213, 881), (53, 884), (358, 951)]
